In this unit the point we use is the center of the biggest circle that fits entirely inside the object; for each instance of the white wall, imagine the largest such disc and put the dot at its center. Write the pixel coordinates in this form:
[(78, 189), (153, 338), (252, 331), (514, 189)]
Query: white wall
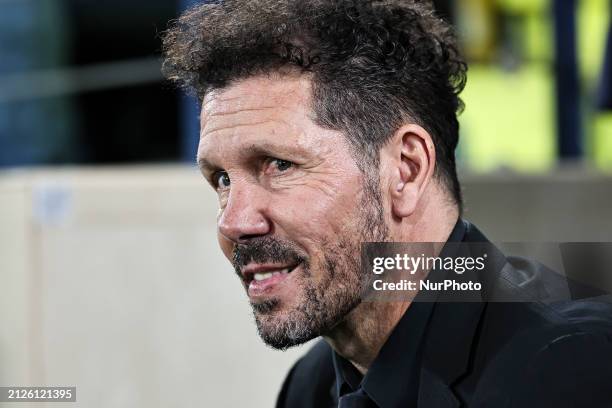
[(112, 281)]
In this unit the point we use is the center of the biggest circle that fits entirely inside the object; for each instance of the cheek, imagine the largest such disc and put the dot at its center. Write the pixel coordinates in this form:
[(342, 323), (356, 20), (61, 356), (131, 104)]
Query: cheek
[(313, 217), (226, 246)]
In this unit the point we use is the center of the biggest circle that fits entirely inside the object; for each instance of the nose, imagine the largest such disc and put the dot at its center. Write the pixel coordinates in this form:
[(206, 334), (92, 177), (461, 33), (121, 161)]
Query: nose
[(244, 216)]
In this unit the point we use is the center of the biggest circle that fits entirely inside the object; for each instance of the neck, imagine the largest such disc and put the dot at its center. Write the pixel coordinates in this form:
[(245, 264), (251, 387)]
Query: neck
[(362, 334)]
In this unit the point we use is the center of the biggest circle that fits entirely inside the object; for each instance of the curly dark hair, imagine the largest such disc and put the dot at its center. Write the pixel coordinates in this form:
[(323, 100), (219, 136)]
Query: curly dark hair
[(374, 65)]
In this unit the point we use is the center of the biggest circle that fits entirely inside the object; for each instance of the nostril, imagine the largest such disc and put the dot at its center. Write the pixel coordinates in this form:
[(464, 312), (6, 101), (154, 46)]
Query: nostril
[(244, 239)]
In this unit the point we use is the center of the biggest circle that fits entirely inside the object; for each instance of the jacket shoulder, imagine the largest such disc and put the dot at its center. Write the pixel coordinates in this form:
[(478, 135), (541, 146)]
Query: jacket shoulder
[(311, 379), (561, 356)]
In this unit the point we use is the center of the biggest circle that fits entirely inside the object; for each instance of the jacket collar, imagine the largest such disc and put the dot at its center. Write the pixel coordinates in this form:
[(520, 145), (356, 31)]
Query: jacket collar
[(452, 329)]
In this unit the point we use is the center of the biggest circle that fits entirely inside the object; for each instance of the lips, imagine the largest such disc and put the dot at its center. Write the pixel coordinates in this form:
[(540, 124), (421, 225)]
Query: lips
[(261, 272), (262, 278)]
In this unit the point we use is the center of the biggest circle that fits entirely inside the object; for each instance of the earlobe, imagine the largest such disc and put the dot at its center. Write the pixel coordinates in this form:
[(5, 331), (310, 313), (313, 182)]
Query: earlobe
[(405, 199)]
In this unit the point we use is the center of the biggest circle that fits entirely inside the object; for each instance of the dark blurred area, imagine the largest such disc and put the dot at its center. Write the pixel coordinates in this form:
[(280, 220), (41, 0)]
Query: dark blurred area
[(136, 123), (80, 83), (111, 108)]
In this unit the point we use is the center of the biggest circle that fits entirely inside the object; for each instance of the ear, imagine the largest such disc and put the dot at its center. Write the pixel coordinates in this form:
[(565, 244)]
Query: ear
[(413, 157)]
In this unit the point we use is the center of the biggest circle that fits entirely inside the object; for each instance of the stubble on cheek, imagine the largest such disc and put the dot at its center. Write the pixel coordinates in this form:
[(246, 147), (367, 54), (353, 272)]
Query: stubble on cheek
[(324, 296), (336, 283)]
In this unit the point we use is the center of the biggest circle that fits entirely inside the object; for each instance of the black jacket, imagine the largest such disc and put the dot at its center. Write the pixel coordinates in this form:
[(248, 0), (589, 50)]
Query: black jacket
[(494, 354)]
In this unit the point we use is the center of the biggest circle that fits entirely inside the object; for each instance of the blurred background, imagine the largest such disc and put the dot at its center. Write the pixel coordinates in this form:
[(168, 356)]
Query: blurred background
[(110, 275)]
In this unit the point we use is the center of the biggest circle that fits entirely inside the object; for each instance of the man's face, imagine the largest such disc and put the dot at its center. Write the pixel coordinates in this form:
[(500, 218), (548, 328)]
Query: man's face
[(294, 207)]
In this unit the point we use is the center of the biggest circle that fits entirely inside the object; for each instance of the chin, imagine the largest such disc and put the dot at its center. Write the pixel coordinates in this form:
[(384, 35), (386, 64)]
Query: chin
[(282, 329)]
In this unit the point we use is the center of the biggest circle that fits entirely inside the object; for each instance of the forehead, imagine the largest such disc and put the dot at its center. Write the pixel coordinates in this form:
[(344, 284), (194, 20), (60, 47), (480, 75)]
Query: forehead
[(259, 113), (270, 97)]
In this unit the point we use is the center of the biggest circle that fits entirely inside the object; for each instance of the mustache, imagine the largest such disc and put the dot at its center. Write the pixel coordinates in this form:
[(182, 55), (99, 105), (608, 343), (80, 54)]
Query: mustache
[(265, 250)]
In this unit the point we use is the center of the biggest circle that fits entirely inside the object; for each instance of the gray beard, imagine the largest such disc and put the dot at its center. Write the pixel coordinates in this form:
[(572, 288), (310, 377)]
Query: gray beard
[(325, 304)]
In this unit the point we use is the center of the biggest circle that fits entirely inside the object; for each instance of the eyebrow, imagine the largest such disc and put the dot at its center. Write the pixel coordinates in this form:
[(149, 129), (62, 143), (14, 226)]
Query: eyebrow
[(266, 148), (204, 165), (260, 149)]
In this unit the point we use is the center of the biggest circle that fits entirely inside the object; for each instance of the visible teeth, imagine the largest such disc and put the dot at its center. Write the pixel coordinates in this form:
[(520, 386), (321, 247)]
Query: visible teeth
[(262, 276), (266, 275)]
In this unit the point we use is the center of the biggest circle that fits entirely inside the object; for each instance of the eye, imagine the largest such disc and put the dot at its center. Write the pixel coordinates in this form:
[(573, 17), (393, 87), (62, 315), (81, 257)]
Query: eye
[(221, 180), (281, 165)]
